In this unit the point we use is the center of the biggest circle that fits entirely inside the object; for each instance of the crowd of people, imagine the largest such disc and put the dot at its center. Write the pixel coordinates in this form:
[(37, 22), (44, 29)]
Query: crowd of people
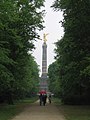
[(43, 98)]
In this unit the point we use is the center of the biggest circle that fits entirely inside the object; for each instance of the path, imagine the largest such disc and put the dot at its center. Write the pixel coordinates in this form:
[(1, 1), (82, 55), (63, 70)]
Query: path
[(36, 112)]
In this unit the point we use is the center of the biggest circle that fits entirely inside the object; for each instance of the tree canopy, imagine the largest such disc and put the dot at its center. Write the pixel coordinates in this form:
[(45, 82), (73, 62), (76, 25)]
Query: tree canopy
[(19, 22), (73, 51)]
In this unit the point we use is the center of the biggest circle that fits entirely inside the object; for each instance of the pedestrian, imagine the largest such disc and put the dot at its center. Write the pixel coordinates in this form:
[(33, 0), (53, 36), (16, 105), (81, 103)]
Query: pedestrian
[(44, 98), (40, 99), (49, 98)]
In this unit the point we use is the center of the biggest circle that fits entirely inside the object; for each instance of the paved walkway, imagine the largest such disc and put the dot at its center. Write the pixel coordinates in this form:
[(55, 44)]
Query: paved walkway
[(36, 112)]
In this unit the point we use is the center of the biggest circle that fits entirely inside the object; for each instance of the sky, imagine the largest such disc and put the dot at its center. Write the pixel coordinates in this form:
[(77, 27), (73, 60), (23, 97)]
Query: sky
[(53, 27)]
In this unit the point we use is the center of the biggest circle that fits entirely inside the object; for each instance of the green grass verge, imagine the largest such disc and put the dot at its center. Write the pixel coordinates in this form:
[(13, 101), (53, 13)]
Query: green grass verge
[(74, 112), (56, 101), (9, 111)]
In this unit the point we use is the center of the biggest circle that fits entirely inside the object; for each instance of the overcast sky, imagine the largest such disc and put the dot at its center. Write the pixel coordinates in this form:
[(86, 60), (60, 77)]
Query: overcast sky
[(53, 27)]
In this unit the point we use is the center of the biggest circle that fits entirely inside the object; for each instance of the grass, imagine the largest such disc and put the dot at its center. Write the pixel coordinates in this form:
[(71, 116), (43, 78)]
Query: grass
[(56, 101), (9, 111), (74, 112)]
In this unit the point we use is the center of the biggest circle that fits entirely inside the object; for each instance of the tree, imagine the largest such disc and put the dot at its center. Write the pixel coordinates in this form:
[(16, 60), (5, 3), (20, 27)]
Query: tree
[(19, 22), (53, 80), (73, 51)]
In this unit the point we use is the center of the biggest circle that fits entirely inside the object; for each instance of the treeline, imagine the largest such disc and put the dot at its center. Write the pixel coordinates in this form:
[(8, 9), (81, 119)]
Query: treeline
[(19, 73), (69, 76)]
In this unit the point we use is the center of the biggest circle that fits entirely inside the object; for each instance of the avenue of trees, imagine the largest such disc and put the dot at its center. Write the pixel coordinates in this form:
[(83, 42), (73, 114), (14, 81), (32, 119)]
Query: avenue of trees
[(19, 73), (69, 75)]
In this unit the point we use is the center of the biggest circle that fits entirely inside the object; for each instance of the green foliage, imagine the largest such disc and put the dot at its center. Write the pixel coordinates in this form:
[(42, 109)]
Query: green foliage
[(73, 51), (19, 22), (53, 80)]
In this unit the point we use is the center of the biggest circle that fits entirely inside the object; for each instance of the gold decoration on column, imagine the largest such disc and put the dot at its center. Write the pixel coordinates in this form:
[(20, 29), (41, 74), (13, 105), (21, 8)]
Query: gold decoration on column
[(44, 37)]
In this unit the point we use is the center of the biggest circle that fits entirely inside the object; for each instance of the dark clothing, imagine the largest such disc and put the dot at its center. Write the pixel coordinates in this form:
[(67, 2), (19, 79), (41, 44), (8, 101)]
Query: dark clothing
[(49, 97), (44, 97), (40, 98)]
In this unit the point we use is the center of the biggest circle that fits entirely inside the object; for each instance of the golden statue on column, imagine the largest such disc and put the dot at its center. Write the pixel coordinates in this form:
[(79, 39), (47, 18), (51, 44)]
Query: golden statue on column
[(44, 37)]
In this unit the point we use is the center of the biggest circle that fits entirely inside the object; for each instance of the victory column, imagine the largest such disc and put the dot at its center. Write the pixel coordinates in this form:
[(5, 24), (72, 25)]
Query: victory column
[(43, 80)]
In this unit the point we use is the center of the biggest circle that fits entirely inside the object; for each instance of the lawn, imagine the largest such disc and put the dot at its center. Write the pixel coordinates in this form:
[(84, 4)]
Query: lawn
[(74, 112), (9, 111)]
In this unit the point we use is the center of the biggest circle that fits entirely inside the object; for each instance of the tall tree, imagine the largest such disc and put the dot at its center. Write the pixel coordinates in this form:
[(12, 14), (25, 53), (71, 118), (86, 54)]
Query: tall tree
[(73, 51), (19, 20)]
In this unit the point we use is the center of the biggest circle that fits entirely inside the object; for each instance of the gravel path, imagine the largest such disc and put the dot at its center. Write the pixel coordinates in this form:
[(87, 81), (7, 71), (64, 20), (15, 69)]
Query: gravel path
[(36, 112)]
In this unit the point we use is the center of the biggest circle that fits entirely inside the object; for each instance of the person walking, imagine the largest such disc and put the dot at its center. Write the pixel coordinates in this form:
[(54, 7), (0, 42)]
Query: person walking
[(49, 98), (40, 99), (44, 97)]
